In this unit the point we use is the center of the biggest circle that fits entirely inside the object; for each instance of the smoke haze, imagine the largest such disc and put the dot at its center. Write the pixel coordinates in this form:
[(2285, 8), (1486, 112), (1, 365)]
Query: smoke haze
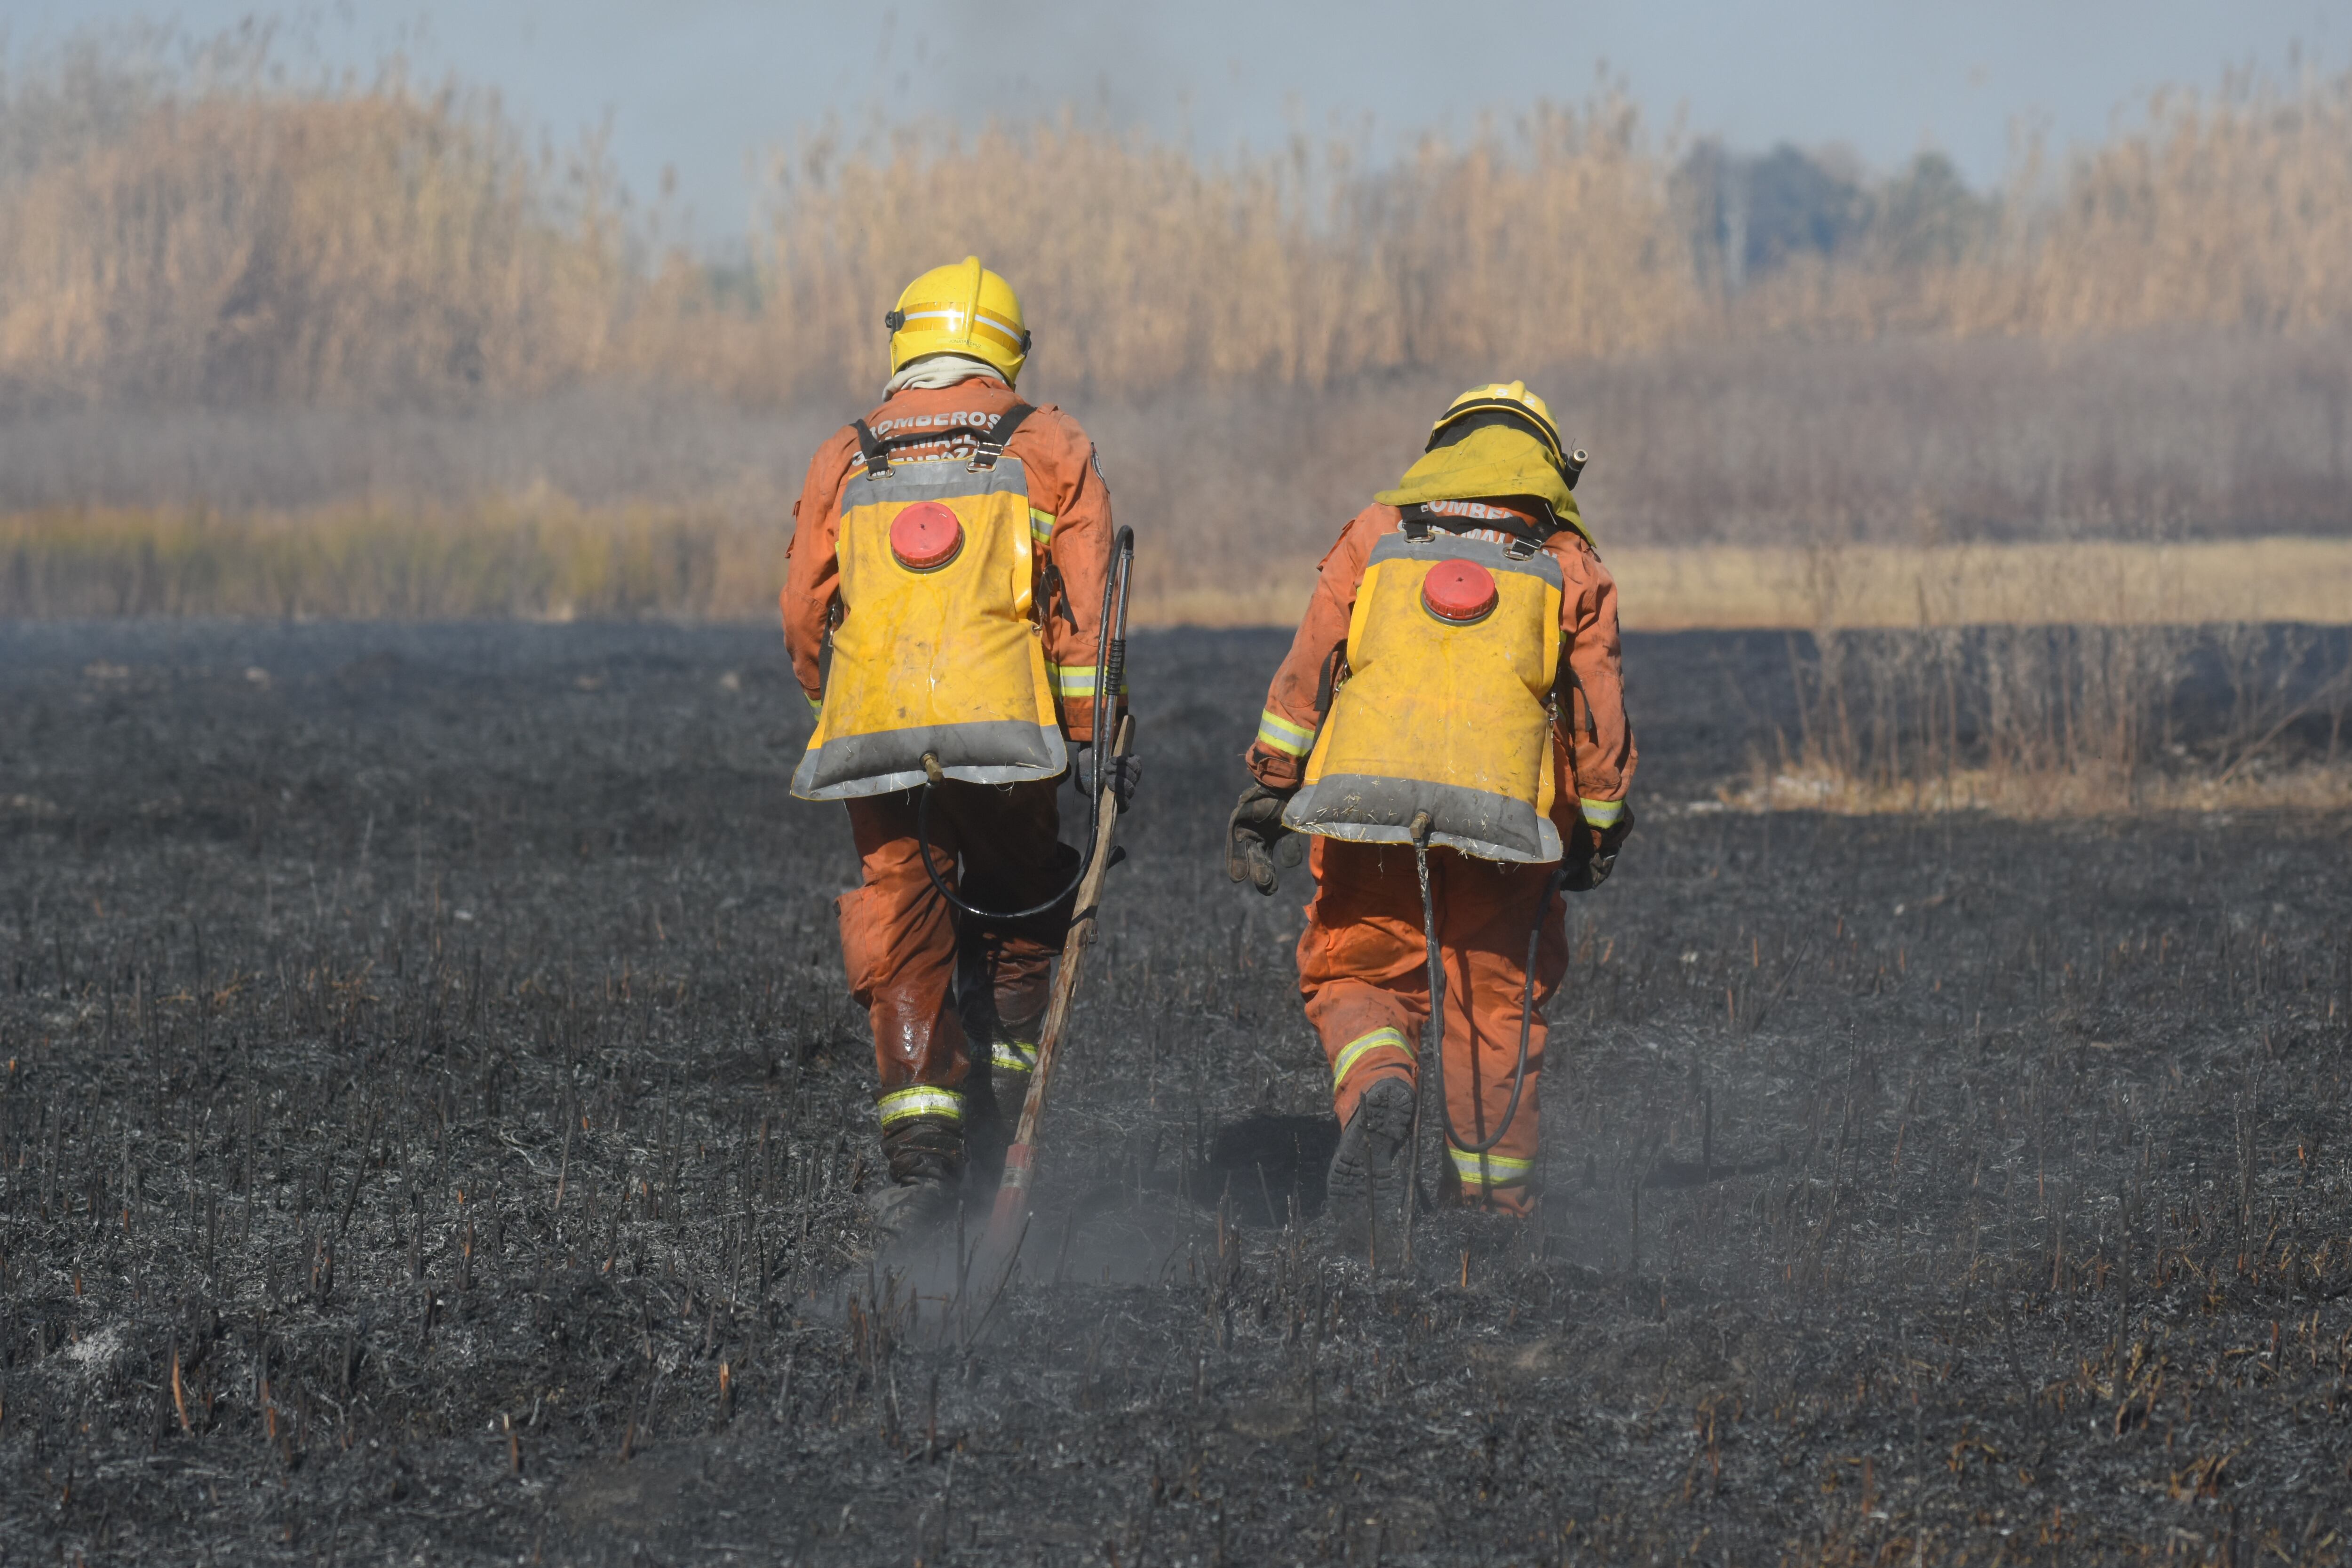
[(700, 88)]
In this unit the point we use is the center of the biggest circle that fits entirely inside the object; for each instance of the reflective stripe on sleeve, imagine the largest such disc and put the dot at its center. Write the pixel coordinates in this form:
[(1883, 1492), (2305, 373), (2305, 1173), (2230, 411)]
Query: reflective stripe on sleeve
[(1077, 679), (1276, 733), (1490, 1170), (1040, 526), (1356, 1049), (1602, 813), (816, 704), (1013, 1055), (919, 1100)]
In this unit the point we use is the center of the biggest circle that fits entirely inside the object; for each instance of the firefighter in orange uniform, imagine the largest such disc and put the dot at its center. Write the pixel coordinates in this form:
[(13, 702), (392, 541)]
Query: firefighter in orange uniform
[(940, 610), (1456, 681)]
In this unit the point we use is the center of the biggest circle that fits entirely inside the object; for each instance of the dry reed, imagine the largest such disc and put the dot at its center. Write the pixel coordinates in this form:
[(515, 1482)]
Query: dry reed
[(543, 556), (2144, 344), (2037, 720), (539, 560), (222, 238)]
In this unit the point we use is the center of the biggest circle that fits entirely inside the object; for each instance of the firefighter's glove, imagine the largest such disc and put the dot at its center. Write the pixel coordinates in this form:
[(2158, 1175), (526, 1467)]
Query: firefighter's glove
[(1592, 853), (1256, 843), (1125, 775)]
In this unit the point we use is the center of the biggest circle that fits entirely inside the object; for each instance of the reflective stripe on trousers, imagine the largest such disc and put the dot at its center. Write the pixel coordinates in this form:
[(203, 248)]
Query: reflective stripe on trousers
[(1356, 1049), (1013, 1055), (918, 1100), (1490, 1170)]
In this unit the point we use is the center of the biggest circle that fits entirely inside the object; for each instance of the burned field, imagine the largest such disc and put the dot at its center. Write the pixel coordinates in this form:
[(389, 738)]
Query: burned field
[(432, 1129)]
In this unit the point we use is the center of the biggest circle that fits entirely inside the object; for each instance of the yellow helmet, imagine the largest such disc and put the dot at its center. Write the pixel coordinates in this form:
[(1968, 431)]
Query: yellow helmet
[(1500, 403), (960, 310)]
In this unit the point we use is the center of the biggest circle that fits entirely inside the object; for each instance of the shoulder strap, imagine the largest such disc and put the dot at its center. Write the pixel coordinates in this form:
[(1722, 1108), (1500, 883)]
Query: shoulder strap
[(1419, 521), (991, 447), (873, 450), (986, 447)]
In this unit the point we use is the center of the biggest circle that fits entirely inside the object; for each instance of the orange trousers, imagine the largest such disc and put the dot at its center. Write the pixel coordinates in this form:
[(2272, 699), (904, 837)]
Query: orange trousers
[(1363, 969), (902, 944)]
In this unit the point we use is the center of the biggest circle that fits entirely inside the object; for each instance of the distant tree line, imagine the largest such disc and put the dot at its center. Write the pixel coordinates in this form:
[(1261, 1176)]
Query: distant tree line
[(1748, 217)]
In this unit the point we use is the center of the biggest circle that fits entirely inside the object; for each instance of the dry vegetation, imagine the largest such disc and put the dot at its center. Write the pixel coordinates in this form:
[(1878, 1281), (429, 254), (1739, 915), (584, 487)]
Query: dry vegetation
[(212, 232), (543, 561), (346, 349), (2043, 720)]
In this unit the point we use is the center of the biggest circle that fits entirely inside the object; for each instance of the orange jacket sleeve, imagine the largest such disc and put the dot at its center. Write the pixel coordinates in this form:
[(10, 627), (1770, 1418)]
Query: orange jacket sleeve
[(1071, 526), (1600, 741), (813, 566), (1301, 694)]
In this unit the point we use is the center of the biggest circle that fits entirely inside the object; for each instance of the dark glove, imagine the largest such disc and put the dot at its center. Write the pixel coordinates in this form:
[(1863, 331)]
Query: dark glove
[(1593, 852), (1125, 775), (1256, 843)]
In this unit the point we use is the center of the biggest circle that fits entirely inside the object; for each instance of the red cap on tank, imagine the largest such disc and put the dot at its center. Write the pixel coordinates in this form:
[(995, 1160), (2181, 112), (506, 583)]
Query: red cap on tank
[(926, 536), (1458, 591)]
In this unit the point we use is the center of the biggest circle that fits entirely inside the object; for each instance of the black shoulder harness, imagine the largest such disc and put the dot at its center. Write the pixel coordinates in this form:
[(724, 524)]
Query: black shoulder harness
[(986, 445), (1419, 521)]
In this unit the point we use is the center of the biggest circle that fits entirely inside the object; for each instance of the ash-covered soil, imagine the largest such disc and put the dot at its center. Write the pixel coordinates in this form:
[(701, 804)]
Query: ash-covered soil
[(432, 1128)]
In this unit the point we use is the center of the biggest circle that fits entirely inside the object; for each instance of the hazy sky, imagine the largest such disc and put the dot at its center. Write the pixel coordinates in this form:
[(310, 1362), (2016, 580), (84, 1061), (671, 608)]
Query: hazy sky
[(699, 84)]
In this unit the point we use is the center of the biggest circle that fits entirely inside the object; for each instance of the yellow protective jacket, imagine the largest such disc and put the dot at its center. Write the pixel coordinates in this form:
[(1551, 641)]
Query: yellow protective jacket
[(1070, 519), (938, 668), (1593, 749)]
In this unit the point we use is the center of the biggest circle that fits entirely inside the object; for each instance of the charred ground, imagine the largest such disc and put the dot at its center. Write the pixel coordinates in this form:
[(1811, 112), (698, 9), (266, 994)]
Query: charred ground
[(432, 1122)]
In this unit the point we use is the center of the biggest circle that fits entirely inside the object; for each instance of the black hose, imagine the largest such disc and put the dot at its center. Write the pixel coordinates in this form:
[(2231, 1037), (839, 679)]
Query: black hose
[(1453, 1138), (1110, 674)]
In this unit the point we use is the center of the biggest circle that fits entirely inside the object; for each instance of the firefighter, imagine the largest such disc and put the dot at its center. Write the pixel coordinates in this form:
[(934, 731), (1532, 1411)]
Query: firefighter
[(940, 609), (1456, 681)]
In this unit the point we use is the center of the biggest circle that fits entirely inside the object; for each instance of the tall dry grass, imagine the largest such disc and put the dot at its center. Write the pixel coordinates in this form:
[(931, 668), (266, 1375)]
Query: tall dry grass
[(1146, 266), (366, 348), (2084, 678), (545, 559), (249, 245), (2046, 720), (220, 236)]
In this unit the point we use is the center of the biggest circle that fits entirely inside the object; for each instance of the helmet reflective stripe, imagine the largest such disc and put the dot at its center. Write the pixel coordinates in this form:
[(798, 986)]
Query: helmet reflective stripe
[(1601, 813), (1355, 1050), (951, 319), (961, 309), (1013, 1055), (1490, 1170), (1005, 332), (1276, 733), (919, 1100)]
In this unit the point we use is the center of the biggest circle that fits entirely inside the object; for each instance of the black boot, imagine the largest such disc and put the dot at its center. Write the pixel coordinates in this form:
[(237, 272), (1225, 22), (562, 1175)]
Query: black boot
[(1003, 1058), (1366, 1170), (925, 1155)]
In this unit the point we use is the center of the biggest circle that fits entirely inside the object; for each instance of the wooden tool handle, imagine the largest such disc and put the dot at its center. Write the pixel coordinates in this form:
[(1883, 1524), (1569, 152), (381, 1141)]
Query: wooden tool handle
[(1011, 1192)]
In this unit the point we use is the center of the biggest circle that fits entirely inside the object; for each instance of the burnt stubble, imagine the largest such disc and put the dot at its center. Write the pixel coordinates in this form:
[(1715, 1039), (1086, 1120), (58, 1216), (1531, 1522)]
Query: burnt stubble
[(433, 1129)]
